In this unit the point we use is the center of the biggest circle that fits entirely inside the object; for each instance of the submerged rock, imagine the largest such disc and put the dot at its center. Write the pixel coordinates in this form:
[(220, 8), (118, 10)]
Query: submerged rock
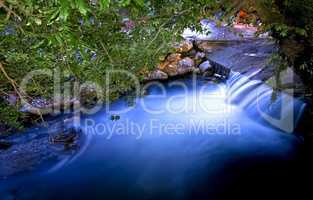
[(63, 138)]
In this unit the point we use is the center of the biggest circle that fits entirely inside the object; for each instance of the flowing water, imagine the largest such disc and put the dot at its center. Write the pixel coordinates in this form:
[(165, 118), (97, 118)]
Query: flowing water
[(185, 139)]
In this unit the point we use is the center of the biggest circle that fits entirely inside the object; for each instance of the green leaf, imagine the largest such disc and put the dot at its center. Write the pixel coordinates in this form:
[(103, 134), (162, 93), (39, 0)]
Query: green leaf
[(65, 9), (82, 7), (38, 44), (139, 3), (54, 16), (104, 4), (125, 3), (301, 32)]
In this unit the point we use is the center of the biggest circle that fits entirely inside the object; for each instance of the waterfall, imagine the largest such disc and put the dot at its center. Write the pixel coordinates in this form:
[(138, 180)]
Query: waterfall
[(263, 104)]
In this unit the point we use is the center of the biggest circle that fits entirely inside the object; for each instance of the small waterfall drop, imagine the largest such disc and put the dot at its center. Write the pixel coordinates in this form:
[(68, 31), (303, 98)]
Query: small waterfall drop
[(263, 104)]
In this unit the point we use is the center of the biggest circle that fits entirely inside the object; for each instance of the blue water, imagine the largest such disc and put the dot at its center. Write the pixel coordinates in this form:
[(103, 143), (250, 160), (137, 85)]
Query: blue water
[(196, 142)]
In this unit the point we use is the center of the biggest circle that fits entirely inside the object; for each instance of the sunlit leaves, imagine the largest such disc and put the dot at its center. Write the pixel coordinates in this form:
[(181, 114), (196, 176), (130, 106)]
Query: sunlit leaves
[(64, 11), (104, 4), (139, 2), (82, 6)]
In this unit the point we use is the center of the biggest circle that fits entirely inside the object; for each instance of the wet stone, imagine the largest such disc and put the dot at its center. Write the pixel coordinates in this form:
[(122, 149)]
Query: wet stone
[(206, 67), (64, 138)]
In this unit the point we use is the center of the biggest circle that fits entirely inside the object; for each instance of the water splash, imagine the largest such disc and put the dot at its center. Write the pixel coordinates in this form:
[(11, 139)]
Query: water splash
[(258, 100)]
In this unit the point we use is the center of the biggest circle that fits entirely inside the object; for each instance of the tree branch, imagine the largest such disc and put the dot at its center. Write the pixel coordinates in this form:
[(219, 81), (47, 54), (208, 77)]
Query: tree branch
[(12, 82), (9, 11)]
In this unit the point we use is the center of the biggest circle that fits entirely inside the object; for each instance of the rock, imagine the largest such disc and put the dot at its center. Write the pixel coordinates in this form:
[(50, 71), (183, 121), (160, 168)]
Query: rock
[(4, 145), (210, 46), (171, 69), (170, 65), (36, 105), (156, 75), (196, 71), (184, 47), (199, 57), (174, 65), (47, 107), (192, 53), (210, 69), (65, 138), (206, 67), (180, 67), (220, 71), (175, 57), (235, 58), (89, 96), (185, 66)]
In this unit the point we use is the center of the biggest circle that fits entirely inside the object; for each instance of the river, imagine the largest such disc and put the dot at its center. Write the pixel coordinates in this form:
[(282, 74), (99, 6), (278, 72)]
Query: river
[(185, 139)]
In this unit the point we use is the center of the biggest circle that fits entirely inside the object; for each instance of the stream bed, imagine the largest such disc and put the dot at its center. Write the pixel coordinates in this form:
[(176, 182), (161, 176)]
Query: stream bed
[(185, 139)]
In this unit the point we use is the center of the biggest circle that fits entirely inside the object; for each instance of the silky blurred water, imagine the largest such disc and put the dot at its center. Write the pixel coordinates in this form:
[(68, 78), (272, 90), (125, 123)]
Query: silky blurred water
[(192, 139)]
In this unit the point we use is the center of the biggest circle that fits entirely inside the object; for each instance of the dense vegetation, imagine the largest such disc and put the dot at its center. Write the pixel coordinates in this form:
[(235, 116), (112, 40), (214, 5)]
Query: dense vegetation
[(84, 38)]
